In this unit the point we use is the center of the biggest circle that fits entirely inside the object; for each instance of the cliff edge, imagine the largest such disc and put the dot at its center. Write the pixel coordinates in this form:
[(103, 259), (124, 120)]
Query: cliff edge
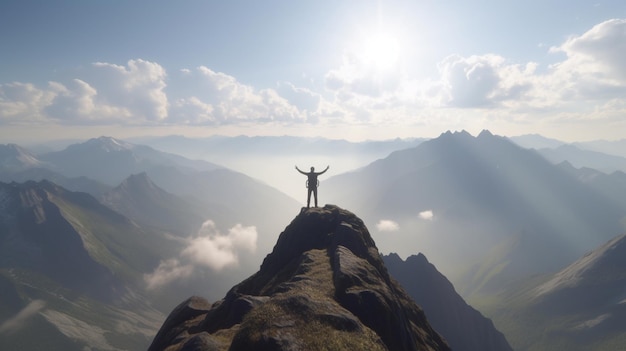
[(323, 287)]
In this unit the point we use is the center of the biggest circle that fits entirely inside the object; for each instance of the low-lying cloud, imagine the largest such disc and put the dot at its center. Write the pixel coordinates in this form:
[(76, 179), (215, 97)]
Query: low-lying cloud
[(209, 248), (387, 225), (215, 250), (426, 215), (167, 272), (18, 321)]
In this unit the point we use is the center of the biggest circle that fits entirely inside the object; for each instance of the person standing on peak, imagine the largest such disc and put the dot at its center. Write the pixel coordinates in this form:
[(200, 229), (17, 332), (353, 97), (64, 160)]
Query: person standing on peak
[(312, 183)]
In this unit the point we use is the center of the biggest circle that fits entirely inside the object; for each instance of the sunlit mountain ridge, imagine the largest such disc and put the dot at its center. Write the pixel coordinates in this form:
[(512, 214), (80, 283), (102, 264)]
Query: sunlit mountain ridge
[(488, 213)]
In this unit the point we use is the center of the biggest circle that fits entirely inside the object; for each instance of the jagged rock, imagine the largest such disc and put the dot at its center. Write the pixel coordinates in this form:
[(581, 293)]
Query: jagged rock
[(324, 286), (181, 318), (464, 328)]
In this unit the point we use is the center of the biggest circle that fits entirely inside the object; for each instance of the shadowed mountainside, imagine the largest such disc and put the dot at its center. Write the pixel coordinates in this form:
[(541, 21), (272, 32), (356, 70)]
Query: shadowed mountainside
[(143, 201), (324, 286), (71, 272), (487, 193), (581, 307), (464, 328)]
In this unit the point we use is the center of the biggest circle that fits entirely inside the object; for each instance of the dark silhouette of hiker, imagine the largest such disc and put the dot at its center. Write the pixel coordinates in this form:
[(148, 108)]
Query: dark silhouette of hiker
[(312, 183)]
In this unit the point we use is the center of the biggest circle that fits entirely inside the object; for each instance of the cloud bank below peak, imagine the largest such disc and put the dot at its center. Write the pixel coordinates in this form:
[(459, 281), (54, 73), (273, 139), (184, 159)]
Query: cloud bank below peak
[(207, 249)]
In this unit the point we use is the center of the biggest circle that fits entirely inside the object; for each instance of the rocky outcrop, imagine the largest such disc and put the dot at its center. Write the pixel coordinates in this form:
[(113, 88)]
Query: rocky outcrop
[(324, 286), (464, 328)]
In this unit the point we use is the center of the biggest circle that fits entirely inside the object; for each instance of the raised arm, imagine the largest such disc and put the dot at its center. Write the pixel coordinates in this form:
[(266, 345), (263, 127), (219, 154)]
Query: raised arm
[(298, 169), (322, 172)]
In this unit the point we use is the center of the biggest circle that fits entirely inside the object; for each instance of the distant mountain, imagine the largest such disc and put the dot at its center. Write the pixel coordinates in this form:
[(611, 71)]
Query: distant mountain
[(464, 328), (37, 235), (14, 158), (581, 307), (612, 186), (231, 197), (218, 146), (596, 280), (536, 141), (109, 160), (323, 287), (143, 201), (617, 147), (199, 193), (80, 183), (72, 270), (462, 199), (202, 189), (585, 158), (271, 159)]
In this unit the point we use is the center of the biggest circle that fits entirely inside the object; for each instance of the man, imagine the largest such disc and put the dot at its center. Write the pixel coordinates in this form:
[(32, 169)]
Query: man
[(312, 183)]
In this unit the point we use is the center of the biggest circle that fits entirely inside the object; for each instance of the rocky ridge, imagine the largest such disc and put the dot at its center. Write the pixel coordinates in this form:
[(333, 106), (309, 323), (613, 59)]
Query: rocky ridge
[(465, 328), (324, 286)]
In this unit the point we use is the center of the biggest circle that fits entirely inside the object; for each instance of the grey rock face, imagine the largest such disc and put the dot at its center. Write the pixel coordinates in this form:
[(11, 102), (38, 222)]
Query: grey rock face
[(324, 286), (465, 328)]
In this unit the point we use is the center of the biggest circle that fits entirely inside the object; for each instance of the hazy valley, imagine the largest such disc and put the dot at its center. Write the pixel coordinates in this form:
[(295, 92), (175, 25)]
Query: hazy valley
[(101, 239)]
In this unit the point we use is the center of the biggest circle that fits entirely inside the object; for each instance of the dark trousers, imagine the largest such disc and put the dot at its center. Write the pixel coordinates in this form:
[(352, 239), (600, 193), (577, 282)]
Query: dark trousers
[(308, 198)]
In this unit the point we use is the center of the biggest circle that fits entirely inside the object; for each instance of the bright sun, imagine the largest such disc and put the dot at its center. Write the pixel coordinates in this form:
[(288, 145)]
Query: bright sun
[(380, 50)]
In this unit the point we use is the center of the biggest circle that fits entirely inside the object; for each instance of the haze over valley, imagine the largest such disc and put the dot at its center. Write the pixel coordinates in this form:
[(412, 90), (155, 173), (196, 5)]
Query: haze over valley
[(468, 159), (489, 213)]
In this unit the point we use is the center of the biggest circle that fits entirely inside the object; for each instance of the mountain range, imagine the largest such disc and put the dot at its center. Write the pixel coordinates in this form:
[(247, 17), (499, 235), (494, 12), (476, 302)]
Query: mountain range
[(485, 210), (72, 269), (97, 241), (79, 266), (99, 165), (580, 307)]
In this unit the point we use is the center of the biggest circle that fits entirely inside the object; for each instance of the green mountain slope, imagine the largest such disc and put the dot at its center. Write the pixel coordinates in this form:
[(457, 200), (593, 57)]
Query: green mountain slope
[(71, 270), (581, 307)]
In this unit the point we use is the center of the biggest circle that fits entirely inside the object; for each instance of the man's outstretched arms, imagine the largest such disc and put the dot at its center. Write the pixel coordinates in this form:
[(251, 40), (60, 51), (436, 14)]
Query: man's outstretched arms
[(298, 169), (322, 172)]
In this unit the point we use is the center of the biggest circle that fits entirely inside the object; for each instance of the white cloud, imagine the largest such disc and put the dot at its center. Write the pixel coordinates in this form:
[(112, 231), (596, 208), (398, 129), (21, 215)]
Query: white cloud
[(589, 83), (600, 50), (208, 248), (106, 94), (80, 104), (167, 272), (386, 225), (192, 110), (427, 215), (22, 102), (481, 81), (138, 87), (18, 321), (357, 77), (595, 67), (220, 99), (215, 250)]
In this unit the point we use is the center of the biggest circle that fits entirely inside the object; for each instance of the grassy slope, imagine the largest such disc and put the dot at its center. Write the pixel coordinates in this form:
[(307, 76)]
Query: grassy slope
[(114, 242), (529, 328)]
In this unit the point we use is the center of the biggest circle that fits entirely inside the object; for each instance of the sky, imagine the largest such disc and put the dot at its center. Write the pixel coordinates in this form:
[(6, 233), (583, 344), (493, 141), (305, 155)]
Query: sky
[(353, 70)]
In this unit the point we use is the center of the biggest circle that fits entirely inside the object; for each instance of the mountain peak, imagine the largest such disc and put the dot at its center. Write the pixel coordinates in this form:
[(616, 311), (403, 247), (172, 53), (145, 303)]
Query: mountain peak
[(108, 144), (15, 157), (458, 322), (485, 133), (324, 286), (139, 179)]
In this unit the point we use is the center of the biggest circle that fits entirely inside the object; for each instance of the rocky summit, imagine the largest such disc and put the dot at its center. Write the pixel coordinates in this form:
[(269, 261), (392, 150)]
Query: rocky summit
[(323, 287)]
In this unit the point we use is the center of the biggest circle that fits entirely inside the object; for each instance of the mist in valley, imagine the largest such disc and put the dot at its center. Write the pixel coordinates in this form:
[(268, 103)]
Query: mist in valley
[(165, 223)]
